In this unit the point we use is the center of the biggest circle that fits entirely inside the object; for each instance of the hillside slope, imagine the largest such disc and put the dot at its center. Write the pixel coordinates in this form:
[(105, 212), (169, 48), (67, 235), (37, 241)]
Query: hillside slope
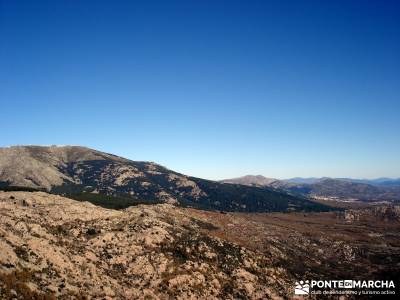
[(87, 174)]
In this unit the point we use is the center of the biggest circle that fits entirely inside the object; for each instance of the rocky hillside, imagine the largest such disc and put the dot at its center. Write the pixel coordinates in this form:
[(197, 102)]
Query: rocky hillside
[(56, 248), (116, 182)]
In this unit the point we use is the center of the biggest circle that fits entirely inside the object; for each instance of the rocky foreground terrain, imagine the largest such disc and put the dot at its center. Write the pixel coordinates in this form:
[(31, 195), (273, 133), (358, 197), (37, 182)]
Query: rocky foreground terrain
[(56, 248), (52, 247)]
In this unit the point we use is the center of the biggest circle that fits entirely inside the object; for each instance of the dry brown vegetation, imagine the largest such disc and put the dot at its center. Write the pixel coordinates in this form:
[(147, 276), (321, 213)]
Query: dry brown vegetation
[(361, 243)]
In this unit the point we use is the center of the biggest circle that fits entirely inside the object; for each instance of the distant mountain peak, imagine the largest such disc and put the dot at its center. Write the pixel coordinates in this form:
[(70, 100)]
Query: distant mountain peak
[(252, 180)]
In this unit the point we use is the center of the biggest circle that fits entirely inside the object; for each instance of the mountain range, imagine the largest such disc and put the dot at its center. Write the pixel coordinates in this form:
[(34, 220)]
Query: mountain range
[(116, 182), (382, 189), (383, 181)]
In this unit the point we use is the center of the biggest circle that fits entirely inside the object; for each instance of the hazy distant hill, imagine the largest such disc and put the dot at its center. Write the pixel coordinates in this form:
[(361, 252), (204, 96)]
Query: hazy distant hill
[(308, 180), (344, 188), (350, 190), (253, 180), (378, 181), (113, 181)]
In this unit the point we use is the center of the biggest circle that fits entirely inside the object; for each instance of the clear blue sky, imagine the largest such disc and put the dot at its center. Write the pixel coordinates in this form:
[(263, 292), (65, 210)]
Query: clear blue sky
[(213, 89)]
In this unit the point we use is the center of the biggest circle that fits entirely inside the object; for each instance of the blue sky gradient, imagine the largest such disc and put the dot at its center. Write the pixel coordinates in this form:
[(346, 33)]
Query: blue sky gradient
[(214, 89)]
